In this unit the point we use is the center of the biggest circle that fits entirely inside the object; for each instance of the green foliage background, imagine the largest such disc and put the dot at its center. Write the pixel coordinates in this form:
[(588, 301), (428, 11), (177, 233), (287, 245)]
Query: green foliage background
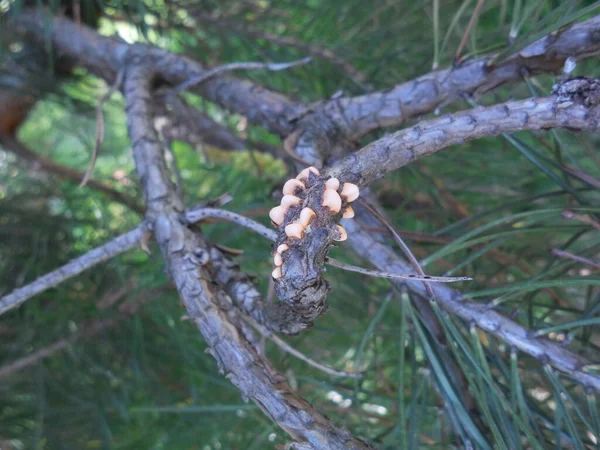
[(493, 208)]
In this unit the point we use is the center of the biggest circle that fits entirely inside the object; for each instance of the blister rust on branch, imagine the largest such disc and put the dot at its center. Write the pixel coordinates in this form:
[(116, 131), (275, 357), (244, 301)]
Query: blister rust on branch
[(308, 221)]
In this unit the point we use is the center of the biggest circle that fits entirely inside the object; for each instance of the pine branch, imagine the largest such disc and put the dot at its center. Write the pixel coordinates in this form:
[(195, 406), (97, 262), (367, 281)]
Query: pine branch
[(88, 330), (105, 56), (74, 267), (183, 122), (284, 41), (473, 77), (485, 318), (399, 149), (183, 249)]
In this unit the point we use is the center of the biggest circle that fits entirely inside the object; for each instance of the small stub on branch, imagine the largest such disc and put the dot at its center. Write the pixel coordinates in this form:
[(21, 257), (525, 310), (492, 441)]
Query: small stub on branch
[(580, 90)]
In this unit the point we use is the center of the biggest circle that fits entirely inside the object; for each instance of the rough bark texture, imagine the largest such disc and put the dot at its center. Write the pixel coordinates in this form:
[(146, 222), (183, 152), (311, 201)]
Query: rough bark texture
[(209, 283), (473, 77), (105, 56), (575, 108), (182, 122), (398, 149), (207, 303)]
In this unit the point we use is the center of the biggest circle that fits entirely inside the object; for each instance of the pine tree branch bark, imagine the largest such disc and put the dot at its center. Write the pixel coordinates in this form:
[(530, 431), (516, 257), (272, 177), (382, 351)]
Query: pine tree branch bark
[(208, 304)]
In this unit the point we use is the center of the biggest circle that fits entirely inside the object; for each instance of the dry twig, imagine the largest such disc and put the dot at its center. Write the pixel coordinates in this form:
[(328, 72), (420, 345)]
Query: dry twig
[(100, 126)]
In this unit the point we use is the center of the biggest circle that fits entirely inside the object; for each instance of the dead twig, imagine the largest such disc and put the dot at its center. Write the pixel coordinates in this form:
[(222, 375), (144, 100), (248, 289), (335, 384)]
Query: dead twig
[(66, 173), (74, 267), (581, 259), (301, 356), (583, 218), (100, 126), (198, 214), (395, 276), (272, 67), (463, 41), (405, 249)]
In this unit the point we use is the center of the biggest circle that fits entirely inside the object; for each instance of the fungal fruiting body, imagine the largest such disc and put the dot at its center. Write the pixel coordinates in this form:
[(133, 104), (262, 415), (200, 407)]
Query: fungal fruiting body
[(304, 175), (277, 215), (288, 201), (291, 186), (305, 216), (332, 183), (332, 200), (278, 261), (294, 230), (348, 212), (340, 233), (350, 191)]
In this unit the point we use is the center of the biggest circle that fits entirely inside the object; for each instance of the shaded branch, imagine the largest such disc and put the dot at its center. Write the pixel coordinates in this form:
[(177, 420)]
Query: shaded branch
[(207, 304), (398, 149), (481, 315), (575, 106), (105, 56), (182, 122), (14, 146), (100, 127), (284, 41), (473, 77), (74, 267)]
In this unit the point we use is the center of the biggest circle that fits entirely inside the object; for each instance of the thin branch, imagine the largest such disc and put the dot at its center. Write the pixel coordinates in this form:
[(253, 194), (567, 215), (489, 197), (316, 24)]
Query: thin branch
[(88, 330), (301, 356), (479, 314), (463, 41), (195, 215), (581, 259), (105, 56), (583, 218), (198, 214), (100, 126), (208, 74), (405, 249), (319, 52), (395, 276), (183, 122), (74, 267), (12, 145)]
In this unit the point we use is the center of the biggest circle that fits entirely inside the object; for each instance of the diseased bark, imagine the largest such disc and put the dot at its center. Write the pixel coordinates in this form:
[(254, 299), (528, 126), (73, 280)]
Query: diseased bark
[(302, 282), (208, 304)]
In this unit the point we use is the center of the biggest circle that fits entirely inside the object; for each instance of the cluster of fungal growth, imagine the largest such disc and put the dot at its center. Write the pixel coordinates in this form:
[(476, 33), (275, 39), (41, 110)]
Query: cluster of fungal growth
[(310, 201)]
